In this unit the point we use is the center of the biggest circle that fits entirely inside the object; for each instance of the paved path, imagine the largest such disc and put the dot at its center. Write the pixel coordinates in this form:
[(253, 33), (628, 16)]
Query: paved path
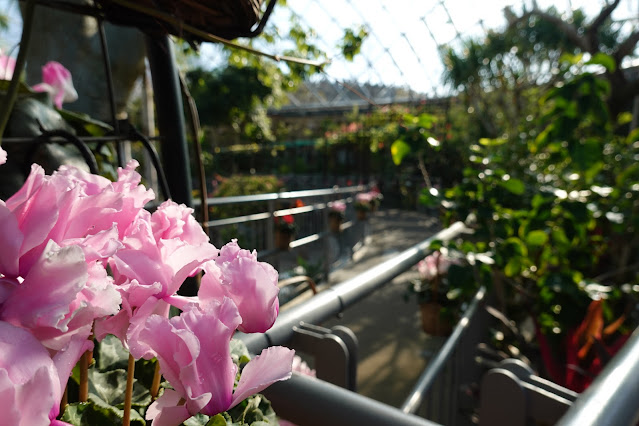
[(393, 350)]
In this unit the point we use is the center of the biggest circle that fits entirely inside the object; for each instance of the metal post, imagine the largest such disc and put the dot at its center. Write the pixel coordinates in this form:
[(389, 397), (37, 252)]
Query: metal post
[(170, 119)]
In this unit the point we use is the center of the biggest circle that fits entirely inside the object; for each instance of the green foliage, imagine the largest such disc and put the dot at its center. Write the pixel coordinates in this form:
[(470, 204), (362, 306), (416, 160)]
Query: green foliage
[(231, 95), (352, 41), (560, 214)]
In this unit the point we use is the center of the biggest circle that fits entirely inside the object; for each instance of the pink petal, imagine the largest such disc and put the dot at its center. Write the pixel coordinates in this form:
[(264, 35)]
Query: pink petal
[(251, 284), (272, 365), (172, 220), (44, 298), (10, 242), (165, 411), (3, 156)]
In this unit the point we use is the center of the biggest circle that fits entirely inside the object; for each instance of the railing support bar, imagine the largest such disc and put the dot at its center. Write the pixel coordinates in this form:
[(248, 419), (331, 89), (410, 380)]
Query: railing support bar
[(312, 402)]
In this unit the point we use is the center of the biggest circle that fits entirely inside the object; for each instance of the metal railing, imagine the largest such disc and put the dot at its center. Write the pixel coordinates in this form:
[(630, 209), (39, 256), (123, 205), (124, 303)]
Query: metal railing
[(256, 230), (439, 393), (613, 397), (312, 402)]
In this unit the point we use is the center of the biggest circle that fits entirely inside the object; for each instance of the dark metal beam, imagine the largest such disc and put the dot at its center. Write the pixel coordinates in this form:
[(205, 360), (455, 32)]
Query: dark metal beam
[(170, 118)]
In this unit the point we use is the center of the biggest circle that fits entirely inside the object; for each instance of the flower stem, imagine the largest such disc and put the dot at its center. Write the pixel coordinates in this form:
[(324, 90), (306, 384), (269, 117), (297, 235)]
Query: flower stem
[(126, 418), (6, 106), (84, 376), (155, 384)]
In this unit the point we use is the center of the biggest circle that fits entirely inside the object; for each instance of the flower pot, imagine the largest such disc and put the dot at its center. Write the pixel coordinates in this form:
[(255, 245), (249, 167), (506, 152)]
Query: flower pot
[(334, 224), (361, 214), (283, 240), (432, 321)]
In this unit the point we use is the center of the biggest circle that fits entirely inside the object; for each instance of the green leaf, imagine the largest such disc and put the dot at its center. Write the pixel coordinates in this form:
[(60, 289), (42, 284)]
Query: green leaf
[(23, 89), (536, 238), (492, 142), (110, 387), (513, 267), (97, 414), (217, 420), (624, 118), (239, 352), (399, 149), (111, 354), (604, 60), (91, 126), (515, 186), (586, 154)]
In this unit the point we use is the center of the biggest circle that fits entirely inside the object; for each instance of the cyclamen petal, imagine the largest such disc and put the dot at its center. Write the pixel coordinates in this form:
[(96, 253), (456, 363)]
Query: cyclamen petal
[(3, 156), (10, 242), (272, 365), (29, 382), (7, 67), (194, 354), (172, 220), (165, 411), (57, 80), (251, 284), (44, 298)]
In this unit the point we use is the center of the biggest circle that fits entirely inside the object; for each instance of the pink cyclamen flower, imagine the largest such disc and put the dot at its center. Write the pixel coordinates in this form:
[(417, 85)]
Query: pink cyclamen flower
[(435, 264), (194, 354), (252, 285), (57, 81), (31, 382), (7, 67), (364, 197), (338, 206), (3, 156)]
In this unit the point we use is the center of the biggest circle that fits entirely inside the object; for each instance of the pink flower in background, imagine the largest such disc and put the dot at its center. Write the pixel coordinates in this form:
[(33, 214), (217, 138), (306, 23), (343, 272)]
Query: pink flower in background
[(194, 354), (252, 285), (57, 81), (434, 265), (338, 206), (300, 366), (3, 156), (364, 197), (7, 66)]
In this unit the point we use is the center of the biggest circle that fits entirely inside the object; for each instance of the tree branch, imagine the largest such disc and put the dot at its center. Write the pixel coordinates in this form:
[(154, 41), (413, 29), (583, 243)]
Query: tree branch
[(626, 47), (603, 15), (569, 30), (592, 30)]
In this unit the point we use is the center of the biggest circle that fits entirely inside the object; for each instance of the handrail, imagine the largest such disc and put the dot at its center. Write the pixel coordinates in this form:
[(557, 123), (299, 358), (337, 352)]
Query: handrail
[(613, 397), (216, 201), (311, 402), (335, 299), (430, 374)]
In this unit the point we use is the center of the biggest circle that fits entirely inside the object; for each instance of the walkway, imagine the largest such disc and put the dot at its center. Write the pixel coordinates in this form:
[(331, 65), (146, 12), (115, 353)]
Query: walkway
[(393, 350)]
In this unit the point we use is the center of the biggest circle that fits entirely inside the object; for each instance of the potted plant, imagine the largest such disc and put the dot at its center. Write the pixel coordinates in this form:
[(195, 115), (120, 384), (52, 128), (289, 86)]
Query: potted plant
[(363, 204), (439, 300), (284, 231), (336, 216)]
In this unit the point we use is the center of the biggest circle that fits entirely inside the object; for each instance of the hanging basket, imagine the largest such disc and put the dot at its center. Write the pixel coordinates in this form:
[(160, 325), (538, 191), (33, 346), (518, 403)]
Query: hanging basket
[(228, 19)]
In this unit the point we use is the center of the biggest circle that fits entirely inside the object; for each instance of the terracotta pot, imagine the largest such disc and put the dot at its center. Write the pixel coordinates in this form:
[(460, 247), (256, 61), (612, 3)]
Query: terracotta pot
[(361, 214), (334, 224), (432, 321), (282, 240)]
